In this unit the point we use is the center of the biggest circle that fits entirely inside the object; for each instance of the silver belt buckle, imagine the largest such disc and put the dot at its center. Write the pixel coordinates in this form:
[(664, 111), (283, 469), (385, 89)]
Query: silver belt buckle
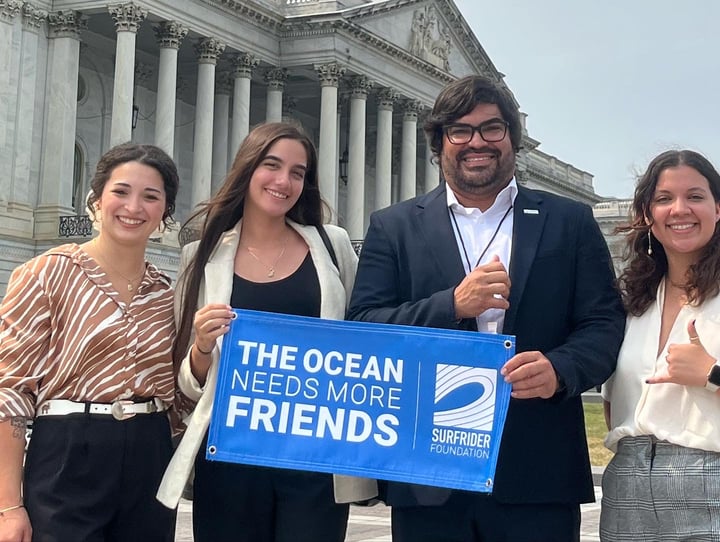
[(118, 410)]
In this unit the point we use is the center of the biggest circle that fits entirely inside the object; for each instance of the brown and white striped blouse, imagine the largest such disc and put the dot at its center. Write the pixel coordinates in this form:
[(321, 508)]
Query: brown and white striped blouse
[(65, 334)]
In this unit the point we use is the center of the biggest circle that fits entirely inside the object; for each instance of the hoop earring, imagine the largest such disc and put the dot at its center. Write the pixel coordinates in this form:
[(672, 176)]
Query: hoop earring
[(649, 243)]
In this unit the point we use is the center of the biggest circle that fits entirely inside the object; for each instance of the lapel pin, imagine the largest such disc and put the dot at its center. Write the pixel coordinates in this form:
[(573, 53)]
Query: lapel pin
[(531, 211)]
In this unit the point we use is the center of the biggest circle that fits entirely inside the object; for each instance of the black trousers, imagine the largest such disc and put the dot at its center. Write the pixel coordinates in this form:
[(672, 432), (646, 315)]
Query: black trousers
[(244, 503), (476, 517), (94, 479)]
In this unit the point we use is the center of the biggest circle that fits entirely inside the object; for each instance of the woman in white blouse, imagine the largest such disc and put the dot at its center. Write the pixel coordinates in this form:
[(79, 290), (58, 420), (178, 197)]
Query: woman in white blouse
[(662, 403)]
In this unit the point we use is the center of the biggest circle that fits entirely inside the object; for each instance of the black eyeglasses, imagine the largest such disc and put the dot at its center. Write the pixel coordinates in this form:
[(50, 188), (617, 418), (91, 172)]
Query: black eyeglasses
[(492, 131)]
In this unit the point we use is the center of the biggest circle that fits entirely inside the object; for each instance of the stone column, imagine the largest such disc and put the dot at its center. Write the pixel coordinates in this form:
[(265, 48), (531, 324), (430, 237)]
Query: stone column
[(386, 98), (432, 172), (408, 163), (359, 88), (329, 75), (56, 172), (32, 19), (275, 79), (208, 50), (10, 67), (127, 19), (169, 35), (221, 121), (244, 64), (17, 113)]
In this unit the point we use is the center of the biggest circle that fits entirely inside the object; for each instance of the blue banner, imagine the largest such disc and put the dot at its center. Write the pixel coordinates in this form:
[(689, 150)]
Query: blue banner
[(409, 404)]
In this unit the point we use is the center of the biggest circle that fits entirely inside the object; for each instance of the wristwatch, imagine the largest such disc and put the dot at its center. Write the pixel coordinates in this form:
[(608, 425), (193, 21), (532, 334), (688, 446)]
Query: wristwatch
[(713, 378)]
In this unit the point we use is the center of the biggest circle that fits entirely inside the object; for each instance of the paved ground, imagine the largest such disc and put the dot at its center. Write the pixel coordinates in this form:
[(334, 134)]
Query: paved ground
[(373, 524)]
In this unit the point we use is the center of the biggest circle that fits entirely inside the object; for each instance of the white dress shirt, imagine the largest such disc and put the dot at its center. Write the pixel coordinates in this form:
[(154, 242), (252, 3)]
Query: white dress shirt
[(474, 231)]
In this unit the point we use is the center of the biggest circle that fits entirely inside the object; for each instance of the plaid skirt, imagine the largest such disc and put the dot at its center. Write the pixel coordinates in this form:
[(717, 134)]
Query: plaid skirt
[(656, 491)]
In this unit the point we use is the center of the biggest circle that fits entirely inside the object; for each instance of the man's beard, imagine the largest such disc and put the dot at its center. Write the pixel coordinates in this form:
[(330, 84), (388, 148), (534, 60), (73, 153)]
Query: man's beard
[(489, 180)]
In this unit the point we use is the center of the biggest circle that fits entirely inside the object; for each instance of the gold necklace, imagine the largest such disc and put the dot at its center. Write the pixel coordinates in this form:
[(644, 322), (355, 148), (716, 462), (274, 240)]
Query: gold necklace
[(270, 268), (130, 285)]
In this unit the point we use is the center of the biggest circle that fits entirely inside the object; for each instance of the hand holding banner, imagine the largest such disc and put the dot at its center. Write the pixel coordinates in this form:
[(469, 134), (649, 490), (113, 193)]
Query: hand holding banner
[(391, 402)]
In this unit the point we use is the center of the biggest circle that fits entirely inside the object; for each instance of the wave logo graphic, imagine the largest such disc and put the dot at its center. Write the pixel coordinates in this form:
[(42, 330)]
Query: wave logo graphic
[(466, 396)]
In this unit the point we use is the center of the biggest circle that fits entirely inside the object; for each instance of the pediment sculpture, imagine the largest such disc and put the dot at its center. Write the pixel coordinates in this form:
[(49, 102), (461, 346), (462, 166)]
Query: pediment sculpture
[(428, 40)]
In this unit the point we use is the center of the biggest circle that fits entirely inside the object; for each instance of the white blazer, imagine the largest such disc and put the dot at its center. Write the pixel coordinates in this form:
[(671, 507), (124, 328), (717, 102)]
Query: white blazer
[(216, 287)]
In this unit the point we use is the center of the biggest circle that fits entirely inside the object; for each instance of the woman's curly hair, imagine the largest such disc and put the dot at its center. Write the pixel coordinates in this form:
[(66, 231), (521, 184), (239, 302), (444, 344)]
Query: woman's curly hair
[(640, 279)]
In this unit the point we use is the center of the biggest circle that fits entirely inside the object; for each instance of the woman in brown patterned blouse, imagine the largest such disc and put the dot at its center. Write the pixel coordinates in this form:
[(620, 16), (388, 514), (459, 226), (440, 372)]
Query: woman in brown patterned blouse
[(85, 350)]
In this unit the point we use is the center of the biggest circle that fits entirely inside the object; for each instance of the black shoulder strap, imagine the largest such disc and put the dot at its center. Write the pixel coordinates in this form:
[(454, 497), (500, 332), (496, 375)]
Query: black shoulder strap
[(328, 244)]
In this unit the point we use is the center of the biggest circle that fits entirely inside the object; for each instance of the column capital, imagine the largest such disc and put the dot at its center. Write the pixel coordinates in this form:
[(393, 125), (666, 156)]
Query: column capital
[(360, 86), (276, 77), (66, 24), (127, 16), (142, 72), (32, 16), (208, 50), (329, 74), (244, 64), (411, 108), (9, 9), (224, 82), (424, 113), (169, 34), (386, 98), (521, 176)]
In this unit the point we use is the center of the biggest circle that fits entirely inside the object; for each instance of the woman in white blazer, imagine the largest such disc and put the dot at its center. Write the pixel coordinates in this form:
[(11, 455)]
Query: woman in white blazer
[(260, 248)]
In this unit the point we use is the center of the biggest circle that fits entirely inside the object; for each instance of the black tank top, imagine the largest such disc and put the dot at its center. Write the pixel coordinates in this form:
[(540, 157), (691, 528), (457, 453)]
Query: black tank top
[(297, 294)]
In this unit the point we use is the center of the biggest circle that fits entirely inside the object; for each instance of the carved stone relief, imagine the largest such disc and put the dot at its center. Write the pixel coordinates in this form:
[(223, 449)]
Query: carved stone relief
[(428, 39)]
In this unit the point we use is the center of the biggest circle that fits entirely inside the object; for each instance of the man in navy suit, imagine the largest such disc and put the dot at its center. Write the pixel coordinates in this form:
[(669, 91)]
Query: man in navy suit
[(482, 253)]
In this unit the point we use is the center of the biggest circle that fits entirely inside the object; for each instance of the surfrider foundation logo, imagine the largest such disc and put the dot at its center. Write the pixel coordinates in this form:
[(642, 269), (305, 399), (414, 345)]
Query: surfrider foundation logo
[(468, 394)]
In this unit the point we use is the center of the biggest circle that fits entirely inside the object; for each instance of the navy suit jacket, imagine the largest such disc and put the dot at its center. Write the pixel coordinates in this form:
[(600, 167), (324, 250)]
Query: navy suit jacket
[(563, 302)]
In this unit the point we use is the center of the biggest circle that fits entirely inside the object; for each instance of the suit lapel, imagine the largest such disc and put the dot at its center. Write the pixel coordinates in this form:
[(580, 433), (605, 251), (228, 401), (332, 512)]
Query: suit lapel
[(435, 227), (220, 268), (528, 222)]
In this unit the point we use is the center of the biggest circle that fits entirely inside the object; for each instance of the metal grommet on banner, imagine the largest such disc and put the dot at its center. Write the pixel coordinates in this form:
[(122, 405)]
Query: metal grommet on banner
[(212, 450), (488, 482), (234, 315), (507, 343)]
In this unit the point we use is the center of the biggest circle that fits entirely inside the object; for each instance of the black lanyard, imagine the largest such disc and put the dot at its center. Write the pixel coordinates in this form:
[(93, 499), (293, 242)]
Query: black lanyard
[(462, 241)]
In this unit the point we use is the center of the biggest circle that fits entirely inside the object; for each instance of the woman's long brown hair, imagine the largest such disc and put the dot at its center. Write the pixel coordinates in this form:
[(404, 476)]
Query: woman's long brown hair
[(223, 211)]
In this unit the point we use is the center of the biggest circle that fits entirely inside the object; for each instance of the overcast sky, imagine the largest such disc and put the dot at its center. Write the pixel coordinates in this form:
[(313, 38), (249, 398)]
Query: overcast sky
[(609, 84)]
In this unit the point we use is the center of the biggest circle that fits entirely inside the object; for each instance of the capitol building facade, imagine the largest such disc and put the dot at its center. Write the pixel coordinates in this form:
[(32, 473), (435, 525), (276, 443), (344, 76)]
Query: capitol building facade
[(193, 76)]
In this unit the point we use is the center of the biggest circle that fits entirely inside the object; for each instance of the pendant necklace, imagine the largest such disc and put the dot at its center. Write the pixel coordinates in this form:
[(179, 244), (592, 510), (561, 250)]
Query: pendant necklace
[(270, 268), (130, 282)]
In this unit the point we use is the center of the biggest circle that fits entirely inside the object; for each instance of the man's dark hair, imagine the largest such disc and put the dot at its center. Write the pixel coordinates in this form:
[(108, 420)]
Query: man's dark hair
[(460, 98)]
